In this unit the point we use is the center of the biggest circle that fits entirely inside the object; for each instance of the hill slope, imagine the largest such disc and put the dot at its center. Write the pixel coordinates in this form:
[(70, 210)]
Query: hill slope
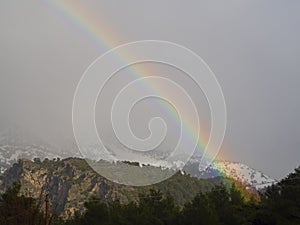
[(70, 182), (240, 172)]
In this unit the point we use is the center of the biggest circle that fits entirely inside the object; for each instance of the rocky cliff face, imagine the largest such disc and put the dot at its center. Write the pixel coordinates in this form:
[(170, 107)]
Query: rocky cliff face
[(69, 183)]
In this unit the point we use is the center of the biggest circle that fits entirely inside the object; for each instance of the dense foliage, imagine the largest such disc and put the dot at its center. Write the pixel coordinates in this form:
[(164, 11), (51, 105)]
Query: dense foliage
[(21, 210), (278, 205)]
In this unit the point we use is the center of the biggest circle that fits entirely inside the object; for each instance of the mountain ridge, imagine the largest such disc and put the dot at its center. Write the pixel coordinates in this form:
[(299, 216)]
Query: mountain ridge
[(70, 182), (15, 145)]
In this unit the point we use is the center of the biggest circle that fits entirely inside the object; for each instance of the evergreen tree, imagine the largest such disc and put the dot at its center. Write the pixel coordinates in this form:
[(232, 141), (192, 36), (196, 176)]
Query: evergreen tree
[(20, 210), (199, 211)]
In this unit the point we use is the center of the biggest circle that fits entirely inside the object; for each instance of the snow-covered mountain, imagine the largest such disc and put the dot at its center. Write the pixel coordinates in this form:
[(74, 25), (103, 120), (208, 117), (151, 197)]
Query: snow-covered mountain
[(16, 145), (240, 172), (244, 174)]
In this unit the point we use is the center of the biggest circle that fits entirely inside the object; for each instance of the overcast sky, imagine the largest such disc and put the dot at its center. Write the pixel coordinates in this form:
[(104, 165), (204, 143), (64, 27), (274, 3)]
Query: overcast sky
[(252, 47)]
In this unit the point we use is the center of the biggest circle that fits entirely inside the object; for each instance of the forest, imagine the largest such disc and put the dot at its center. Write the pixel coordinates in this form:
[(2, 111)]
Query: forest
[(278, 205)]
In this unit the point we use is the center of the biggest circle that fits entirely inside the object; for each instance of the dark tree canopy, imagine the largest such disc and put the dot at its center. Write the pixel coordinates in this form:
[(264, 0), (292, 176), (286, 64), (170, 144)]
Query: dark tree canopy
[(278, 205)]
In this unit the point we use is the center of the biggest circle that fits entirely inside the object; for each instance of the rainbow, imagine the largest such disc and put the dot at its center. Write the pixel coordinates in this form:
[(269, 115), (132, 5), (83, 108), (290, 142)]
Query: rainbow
[(104, 37), (101, 34)]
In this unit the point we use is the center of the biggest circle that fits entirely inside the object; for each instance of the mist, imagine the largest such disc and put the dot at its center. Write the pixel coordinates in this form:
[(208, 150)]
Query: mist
[(251, 46)]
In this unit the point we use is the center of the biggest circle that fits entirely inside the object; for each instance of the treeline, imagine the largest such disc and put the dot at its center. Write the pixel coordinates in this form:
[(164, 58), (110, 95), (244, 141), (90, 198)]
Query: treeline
[(278, 205)]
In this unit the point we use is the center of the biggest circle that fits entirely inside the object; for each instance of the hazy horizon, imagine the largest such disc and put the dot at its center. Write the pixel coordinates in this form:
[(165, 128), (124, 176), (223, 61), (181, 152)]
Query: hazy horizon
[(251, 46)]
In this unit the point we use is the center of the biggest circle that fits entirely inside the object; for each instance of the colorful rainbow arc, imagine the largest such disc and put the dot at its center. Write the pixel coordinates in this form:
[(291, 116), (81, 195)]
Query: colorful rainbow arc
[(105, 38), (102, 35)]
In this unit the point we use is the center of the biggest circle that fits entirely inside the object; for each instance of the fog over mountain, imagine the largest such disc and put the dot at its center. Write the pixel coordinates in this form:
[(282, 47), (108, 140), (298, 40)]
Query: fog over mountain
[(252, 46)]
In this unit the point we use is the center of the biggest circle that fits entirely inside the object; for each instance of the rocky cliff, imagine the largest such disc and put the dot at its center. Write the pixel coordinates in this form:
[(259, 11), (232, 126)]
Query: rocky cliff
[(70, 182)]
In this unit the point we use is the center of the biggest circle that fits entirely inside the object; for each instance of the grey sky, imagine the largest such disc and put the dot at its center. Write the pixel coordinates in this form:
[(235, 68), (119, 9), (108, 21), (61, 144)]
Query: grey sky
[(252, 47)]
